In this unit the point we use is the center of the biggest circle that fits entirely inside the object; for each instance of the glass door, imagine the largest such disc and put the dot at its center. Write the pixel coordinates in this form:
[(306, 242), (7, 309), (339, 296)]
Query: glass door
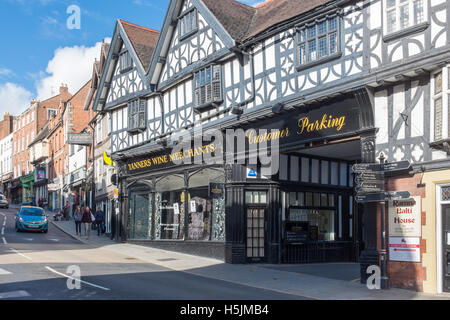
[(255, 233), (446, 246)]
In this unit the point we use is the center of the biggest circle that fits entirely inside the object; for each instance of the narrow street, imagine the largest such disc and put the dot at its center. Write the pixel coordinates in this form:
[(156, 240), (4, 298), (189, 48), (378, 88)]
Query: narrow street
[(33, 265)]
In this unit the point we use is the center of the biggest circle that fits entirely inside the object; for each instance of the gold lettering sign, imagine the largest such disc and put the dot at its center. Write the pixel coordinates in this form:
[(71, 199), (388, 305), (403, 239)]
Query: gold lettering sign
[(327, 122), (170, 158)]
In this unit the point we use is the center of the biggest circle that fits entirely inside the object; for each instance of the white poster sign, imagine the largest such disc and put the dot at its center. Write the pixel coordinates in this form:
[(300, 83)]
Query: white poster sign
[(404, 249), (176, 208), (405, 217), (193, 206)]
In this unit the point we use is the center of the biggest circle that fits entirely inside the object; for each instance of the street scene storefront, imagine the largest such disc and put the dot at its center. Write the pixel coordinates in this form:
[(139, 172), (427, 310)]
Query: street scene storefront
[(240, 212), (28, 189)]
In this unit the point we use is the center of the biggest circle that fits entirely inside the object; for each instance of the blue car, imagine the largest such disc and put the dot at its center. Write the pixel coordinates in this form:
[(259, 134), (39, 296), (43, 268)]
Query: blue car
[(31, 219)]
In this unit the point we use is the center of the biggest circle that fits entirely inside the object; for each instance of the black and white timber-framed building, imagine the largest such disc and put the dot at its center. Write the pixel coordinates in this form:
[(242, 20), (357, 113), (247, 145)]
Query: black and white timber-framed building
[(224, 65)]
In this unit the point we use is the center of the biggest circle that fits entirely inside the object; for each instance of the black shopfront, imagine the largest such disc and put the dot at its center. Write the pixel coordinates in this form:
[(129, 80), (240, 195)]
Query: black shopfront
[(241, 212)]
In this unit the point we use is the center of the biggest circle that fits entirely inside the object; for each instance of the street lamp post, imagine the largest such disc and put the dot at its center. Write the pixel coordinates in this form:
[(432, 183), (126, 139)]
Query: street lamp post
[(383, 255)]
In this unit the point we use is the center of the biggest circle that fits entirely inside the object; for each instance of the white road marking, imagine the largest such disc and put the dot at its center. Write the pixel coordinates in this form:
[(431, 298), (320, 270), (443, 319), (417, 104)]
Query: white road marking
[(82, 281), (2, 214), (3, 272), (27, 239), (20, 254), (4, 240), (55, 240), (3, 231), (14, 294)]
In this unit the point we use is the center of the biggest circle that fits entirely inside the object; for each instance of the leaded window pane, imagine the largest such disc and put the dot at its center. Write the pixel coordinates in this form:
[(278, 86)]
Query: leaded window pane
[(302, 53), (391, 21), (332, 23), (333, 43), (312, 53), (446, 194), (311, 32), (418, 12), (322, 26), (323, 50), (404, 16)]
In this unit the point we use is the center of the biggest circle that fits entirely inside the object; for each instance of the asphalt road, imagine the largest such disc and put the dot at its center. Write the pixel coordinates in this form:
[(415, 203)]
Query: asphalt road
[(36, 266)]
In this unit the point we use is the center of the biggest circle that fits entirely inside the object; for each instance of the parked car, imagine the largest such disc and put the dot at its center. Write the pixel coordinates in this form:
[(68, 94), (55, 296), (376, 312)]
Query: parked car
[(4, 202), (32, 219)]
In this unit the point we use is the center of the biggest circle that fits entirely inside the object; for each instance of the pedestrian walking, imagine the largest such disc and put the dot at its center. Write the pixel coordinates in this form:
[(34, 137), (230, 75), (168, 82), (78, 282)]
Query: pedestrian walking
[(66, 211), (99, 220), (78, 216), (87, 220)]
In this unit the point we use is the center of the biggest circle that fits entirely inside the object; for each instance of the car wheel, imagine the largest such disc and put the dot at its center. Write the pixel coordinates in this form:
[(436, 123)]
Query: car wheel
[(46, 231)]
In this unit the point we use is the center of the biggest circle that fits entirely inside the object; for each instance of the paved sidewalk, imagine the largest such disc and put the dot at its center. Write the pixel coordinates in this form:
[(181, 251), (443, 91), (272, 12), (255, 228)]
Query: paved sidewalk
[(269, 277)]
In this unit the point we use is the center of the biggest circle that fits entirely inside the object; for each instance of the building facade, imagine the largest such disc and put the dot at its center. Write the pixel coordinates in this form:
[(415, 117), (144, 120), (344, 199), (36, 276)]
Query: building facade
[(6, 172), (333, 83)]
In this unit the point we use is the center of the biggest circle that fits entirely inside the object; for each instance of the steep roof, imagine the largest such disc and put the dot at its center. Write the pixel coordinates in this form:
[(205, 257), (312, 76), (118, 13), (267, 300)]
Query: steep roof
[(243, 22), (143, 40)]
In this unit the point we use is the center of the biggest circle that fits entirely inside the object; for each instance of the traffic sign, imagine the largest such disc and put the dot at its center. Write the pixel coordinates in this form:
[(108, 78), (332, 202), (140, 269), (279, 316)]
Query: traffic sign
[(371, 186), (397, 166), (377, 167), (382, 196)]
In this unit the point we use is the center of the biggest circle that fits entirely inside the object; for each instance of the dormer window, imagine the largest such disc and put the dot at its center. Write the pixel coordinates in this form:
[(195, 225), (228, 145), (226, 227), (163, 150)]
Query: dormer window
[(188, 23), (318, 41), (126, 63), (208, 87), (137, 115)]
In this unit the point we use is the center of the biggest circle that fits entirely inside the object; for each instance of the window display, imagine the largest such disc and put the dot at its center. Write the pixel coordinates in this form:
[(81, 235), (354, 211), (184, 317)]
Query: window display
[(206, 216), (319, 213), (139, 216), (169, 211)]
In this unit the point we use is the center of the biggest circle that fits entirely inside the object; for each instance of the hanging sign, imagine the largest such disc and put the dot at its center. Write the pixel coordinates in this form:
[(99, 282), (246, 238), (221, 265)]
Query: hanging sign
[(405, 217), (404, 249)]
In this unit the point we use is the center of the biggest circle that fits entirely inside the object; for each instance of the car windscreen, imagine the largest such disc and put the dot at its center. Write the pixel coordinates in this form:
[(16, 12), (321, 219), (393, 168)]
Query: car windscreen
[(1, 197), (32, 212)]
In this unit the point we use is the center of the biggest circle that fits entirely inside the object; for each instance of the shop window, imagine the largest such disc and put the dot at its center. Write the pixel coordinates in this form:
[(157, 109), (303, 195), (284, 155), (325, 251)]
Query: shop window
[(318, 41), (169, 208), (140, 214), (318, 211), (206, 214)]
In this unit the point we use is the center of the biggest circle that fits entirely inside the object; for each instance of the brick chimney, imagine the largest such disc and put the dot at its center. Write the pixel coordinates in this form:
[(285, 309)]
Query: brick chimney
[(63, 89)]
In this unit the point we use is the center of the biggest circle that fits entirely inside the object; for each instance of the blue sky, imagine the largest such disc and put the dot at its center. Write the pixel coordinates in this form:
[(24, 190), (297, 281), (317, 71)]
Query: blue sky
[(40, 52)]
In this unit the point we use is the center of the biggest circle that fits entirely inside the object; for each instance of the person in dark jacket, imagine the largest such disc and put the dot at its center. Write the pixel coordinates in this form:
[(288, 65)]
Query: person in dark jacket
[(78, 216), (99, 219), (87, 220)]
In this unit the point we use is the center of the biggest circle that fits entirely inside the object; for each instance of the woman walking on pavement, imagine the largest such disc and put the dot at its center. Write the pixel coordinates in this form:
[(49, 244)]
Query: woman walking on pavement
[(78, 216), (87, 220)]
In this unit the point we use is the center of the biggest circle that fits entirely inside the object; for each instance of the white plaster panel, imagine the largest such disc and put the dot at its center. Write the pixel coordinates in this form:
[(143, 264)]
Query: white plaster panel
[(417, 118), (399, 107), (381, 116), (375, 10), (270, 54)]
